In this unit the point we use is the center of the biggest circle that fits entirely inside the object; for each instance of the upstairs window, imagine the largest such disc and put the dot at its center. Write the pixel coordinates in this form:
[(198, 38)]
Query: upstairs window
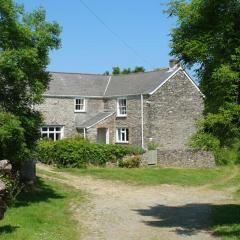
[(80, 105), (52, 132), (122, 135), (122, 107)]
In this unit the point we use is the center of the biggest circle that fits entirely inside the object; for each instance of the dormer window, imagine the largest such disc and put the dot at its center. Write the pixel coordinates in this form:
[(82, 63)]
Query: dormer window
[(122, 107), (80, 105)]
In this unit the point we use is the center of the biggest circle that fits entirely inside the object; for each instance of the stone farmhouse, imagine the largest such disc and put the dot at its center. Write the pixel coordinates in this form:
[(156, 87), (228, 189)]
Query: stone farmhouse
[(158, 106)]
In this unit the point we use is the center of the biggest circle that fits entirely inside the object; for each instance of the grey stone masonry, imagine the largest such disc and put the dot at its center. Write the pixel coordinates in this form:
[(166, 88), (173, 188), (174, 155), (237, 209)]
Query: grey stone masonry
[(171, 106), (186, 158), (108, 123), (60, 111), (133, 119), (171, 112)]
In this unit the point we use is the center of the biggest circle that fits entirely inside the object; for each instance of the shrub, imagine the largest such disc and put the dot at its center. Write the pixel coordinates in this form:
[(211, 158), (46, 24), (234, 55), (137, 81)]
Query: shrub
[(223, 155), (131, 162), (228, 155), (45, 150), (77, 152), (204, 141), (152, 146)]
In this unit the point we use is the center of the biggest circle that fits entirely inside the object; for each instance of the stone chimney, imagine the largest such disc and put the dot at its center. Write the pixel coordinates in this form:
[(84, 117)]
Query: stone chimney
[(173, 64)]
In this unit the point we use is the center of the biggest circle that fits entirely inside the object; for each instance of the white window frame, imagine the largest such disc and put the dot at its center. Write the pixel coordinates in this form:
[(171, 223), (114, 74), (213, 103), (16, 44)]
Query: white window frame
[(124, 139), (61, 131), (119, 114), (79, 104)]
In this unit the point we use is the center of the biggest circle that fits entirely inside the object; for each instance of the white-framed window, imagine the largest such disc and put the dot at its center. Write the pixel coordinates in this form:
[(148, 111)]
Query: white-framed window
[(79, 105), (52, 132), (121, 107), (122, 135)]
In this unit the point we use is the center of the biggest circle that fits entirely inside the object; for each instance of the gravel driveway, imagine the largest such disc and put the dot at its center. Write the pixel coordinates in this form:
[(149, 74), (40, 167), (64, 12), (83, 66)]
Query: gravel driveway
[(119, 211)]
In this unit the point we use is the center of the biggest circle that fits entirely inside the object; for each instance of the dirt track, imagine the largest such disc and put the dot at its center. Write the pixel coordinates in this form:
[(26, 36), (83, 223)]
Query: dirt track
[(118, 211)]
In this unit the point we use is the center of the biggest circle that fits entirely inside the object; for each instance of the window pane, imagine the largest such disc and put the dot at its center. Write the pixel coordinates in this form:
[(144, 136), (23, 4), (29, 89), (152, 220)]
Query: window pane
[(79, 104), (123, 110), (122, 106), (44, 129), (123, 136), (51, 129), (44, 135), (81, 131), (58, 136), (51, 135), (127, 134), (58, 129), (119, 134), (122, 102)]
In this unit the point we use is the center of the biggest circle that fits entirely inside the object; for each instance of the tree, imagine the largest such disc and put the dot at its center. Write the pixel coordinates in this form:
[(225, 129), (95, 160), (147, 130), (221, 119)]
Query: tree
[(106, 73), (25, 42), (138, 69), (208, 35), (126, 71), (11, 137), (116, 70)]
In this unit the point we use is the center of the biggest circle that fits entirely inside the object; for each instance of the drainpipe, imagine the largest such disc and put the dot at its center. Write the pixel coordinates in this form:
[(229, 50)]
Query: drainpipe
[(84, 133), (142, 120)]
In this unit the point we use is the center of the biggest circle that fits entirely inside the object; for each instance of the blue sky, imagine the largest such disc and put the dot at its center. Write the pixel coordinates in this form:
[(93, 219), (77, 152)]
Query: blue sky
[(89, 47)]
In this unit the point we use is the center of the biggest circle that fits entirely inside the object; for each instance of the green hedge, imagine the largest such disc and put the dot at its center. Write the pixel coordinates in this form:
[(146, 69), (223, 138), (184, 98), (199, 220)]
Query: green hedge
[(77, 152)]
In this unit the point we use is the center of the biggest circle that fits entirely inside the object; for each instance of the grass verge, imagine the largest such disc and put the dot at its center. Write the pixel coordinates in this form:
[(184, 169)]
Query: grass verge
[(155, 176), (226, 217), (42, 214)]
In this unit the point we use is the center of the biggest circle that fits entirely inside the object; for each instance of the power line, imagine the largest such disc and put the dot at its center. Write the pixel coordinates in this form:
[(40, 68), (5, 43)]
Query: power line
[(115, 34)]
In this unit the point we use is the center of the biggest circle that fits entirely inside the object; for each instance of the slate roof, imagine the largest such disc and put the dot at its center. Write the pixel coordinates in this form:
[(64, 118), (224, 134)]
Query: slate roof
[(92, 120), (77, 84), (90, 85), (139, 83)]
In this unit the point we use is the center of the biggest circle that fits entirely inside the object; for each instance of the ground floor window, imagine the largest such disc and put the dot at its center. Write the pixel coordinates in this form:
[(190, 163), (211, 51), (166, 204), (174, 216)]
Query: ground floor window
[(122, 135), (52, 132)]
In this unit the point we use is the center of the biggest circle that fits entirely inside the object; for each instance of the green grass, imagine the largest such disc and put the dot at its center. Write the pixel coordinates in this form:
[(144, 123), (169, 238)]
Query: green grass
[(50, 174), (226, 221), (155, 176), (42, 214), (226, 217)]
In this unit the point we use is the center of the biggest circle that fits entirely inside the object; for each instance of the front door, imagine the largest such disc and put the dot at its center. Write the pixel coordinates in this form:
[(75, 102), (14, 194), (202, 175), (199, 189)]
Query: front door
[(103, 135)]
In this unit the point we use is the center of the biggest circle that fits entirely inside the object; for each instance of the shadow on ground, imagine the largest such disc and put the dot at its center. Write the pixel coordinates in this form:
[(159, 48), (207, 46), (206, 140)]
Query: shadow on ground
[(189, 219), (41, 192), (226, 219), (8, 229)]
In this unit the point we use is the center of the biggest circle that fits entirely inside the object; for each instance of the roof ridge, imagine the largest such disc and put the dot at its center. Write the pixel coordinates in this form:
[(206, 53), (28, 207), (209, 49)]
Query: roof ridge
[(94, 74), (98, 74)]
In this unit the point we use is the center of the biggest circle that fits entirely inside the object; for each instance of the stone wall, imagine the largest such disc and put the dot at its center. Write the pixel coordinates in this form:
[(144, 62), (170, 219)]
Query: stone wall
[(60, 111), (185, 158), (132, 121), (171, 112)]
